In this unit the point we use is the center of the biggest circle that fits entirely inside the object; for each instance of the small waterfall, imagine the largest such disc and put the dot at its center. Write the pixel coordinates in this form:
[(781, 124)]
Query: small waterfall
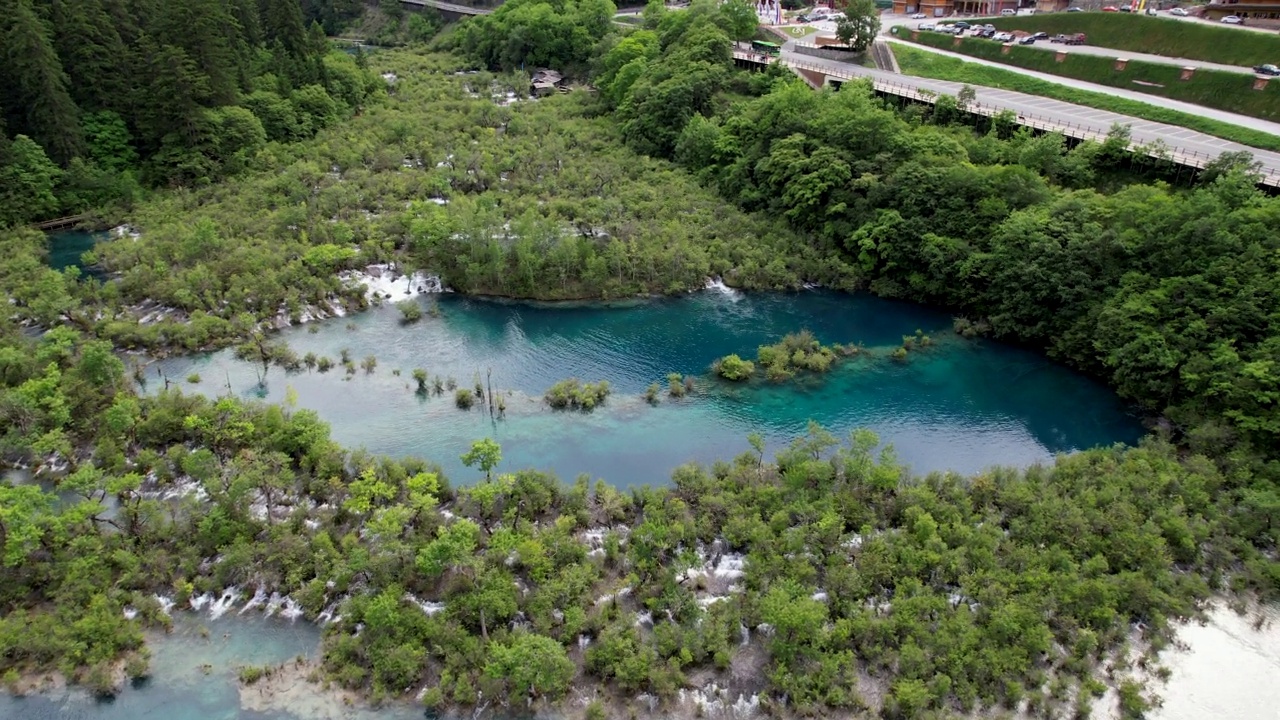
[(259, 597), (228, 600), (290, 609), (166, 604), (717, 285), (745, 634)]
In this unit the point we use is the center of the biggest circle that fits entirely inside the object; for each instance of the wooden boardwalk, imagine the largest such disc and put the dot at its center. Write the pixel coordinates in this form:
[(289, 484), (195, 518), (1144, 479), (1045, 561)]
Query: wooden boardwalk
[(61, 223), (448, 7)]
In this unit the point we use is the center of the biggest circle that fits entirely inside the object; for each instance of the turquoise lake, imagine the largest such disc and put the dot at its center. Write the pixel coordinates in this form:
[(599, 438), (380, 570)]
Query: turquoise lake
[(963, 405), (66, 247)]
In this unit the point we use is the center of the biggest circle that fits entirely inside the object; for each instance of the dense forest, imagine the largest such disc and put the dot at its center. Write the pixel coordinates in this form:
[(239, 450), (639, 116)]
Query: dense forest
[(827, 579), (101, 98)]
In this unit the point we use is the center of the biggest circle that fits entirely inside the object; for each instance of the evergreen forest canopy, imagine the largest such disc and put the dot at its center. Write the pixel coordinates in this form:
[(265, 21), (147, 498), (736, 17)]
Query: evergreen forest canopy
[(861, 587), (99, 97)]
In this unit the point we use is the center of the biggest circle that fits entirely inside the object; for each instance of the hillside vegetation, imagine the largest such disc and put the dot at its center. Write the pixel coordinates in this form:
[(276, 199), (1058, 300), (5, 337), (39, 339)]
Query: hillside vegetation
[(1222, 90), (1194, 40), (859, 588)]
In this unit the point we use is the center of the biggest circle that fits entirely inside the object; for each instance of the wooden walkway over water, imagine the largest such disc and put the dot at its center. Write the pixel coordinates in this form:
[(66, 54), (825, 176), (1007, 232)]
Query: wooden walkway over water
[(447, 7), (61, 223)]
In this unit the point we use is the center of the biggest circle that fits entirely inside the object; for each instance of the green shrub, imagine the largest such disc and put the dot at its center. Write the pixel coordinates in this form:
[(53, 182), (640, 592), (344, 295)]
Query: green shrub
[(732, 367), (410, 311), (464, 398), (574, 394)]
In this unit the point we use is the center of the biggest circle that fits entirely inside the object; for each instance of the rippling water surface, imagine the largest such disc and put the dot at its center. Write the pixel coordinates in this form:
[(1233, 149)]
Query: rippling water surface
[(962, 405)]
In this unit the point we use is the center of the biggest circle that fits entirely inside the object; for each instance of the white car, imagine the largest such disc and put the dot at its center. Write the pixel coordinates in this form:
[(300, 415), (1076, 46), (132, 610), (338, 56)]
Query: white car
[(1003, 37), (927, 26), (918, 16), (1233, 20), (1179, 12)]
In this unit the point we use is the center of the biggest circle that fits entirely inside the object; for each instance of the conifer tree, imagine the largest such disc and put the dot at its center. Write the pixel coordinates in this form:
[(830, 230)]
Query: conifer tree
[(40, 107)]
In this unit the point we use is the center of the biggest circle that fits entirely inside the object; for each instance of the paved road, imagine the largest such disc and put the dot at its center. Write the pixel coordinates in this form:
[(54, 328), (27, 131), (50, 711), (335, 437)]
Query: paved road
[(1266, 126), (1053, 112), (1158, 59), (889, 20)]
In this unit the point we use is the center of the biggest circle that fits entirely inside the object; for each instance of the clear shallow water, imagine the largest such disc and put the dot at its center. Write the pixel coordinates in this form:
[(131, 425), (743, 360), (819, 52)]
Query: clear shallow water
[(963, 405), (1230, 668), (180, 688)]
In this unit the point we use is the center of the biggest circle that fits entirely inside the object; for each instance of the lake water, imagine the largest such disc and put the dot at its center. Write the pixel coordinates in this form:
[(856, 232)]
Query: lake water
[(963, 404), (194, 676), (66, 247)]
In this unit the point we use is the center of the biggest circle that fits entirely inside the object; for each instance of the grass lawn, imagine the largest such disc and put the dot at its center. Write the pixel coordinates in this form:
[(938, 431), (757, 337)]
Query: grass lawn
[(1198, 40), (799, 31), (923, 63)]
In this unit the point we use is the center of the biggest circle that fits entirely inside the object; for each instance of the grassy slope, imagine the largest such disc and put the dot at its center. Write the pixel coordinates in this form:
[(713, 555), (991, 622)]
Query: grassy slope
[(1197, 40), (1228, 91), (923, 63)]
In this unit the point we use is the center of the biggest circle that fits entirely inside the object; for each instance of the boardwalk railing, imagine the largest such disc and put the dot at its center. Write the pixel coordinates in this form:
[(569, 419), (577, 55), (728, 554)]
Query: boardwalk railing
[(1179, 156), (449, 7), (60, 223)]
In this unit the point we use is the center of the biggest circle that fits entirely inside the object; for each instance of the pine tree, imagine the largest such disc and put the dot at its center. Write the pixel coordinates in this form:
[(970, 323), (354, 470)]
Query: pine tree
[(92, 53), (211, 37), (40, 106)]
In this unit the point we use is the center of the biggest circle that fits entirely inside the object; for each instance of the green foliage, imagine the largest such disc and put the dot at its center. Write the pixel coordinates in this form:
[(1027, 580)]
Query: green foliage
[(577, 395), (485, 453), (27, 181), (536, 33), (859, 26), (923, 63), (1155, 36), (795, 352), (177, 94), (1219, 89), (732, 367), (531, 665)]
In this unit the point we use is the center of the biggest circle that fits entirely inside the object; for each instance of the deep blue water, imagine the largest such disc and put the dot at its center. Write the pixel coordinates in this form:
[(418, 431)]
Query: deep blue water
[(963, 404)]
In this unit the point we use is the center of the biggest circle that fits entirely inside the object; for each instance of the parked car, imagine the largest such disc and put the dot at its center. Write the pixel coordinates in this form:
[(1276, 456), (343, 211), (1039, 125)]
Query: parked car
[(1233, 20), (987, 33), (1027, 40), (1111, 8), (918, 16), (1074, 39), (1075, 9), (1267, 70), (1041, 36), (1179, 12), (1003, 37), (926, 26), (1007, 12), (1126, 8), (1151, 12), (962, 25)]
